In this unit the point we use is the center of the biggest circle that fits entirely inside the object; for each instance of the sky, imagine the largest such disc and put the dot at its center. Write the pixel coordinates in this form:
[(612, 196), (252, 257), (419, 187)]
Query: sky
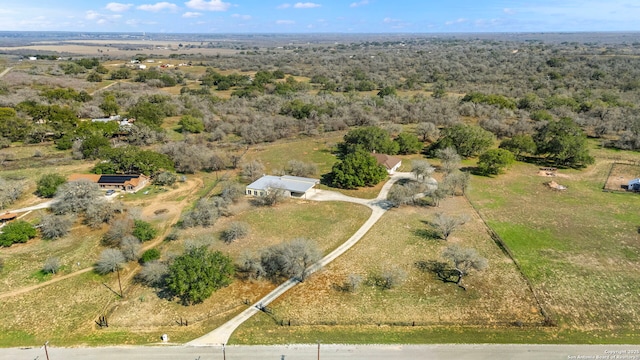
[(320, 16)]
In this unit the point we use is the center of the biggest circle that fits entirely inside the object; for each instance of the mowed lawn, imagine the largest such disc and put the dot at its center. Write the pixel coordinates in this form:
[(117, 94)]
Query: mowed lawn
[(579, 247), (317, 309)]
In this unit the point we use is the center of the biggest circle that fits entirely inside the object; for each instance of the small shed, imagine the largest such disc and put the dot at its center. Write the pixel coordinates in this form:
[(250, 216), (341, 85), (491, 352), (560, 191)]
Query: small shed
[(6, 217), (634, 185)]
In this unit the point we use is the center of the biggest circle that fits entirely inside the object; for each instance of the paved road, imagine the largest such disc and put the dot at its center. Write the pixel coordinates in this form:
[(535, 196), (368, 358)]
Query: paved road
[(355, 352), (378, 207)]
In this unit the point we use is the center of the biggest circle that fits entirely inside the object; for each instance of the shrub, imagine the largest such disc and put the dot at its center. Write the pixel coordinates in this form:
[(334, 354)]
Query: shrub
[(110, 261), (237, 230), (150, 255), (143, 230), (196, 274), (17, 231)]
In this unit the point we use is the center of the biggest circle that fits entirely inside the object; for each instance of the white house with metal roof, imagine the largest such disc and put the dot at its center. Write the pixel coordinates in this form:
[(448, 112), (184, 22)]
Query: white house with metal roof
[(294, 186)]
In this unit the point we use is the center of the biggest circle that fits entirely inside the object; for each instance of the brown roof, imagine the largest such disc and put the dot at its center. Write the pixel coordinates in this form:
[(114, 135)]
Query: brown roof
[(8, 216), (386, 160), (90, 177)]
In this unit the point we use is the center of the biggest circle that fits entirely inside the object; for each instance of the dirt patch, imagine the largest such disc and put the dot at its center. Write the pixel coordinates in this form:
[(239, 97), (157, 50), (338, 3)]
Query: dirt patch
[(548, 173), (620, 175), (554, 185)]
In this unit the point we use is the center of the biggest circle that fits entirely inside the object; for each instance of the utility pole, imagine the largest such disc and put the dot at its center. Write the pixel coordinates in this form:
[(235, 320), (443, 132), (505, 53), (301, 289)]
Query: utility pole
[(224, 355), (45, 350), (119, 283), (318, 349)]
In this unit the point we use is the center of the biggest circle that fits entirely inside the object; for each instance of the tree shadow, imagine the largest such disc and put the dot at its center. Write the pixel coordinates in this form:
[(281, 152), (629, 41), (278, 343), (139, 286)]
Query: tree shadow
[(430, 232), (440, 269)]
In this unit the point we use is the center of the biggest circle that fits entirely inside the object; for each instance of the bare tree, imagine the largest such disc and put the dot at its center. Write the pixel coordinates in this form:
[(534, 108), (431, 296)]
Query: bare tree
[(464, 260), (250, 266), (446, 224), (449, 158), (422, 169), (117, 231), (291, 259), (100, 212), (388, 278), (273, 196), (236, 230), (205, 213), (51, 265), (130, 247), (232, 191), (110, 260), (153, 273), (405, 194), (10, 191), (75, 196), (252, 170), (428, 131), (300, 168), (456, 180), (55, 226)]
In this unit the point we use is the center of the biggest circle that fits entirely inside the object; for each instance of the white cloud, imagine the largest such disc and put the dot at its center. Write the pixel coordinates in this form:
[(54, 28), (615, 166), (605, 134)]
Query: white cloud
[(190, 14), (158, 7), (285, 22), (118, 7), (307, 5), (212, 5), (101, 19), (457, 21), (284, 6), (243, 17), (509, 11), (389, 20), (359, 3), (92, 15)]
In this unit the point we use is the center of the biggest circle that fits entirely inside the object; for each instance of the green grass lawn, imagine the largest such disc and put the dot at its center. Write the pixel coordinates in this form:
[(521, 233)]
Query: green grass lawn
[(579, 247)]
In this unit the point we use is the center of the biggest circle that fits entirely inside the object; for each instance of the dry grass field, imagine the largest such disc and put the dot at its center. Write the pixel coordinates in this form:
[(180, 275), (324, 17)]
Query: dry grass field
[(497, 296)]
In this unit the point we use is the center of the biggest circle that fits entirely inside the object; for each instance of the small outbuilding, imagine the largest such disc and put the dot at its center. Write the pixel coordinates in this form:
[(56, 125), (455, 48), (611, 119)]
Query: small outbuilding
[(6, 217), (391, 163), (634, 185), (294, 186)]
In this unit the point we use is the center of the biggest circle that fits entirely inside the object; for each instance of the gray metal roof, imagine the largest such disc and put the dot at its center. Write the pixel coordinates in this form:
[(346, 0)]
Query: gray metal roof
[(291, 183)]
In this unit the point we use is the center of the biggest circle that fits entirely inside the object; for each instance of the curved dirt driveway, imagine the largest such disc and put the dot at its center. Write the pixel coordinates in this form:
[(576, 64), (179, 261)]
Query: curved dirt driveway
[(379, 206)]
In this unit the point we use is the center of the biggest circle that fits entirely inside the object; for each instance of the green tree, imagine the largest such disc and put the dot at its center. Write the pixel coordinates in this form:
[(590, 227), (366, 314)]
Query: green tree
[(196, 274), (564, 143), (493, 161), (13, 127), (357, 169), (519, 145), (143, 230), (94, 77), (370, 139), (191, 124), (17, 231), (408, 143), (48, 184), (468, 140), (109, 105), (387, 91)]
